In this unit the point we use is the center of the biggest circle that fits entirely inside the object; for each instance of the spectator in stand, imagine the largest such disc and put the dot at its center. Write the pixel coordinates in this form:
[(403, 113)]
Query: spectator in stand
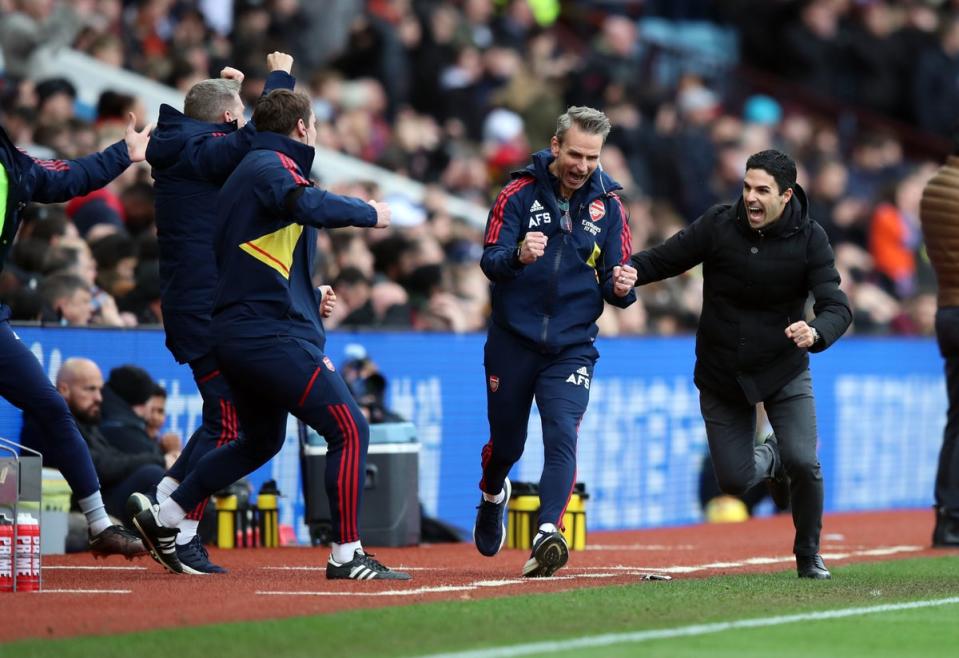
[(67, 300), (127, 412), (169, 442), (121, 473)]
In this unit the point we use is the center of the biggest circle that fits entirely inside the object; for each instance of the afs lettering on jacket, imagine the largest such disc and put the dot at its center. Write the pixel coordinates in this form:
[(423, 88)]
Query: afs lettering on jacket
[(554, 302)]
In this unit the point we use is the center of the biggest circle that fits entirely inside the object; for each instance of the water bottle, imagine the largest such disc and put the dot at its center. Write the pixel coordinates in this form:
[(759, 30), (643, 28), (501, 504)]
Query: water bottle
[(6, 554), (27, 553)]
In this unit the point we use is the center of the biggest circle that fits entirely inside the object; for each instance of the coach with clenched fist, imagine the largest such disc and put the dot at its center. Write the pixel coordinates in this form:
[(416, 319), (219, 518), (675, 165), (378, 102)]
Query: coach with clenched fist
[(762, 258)]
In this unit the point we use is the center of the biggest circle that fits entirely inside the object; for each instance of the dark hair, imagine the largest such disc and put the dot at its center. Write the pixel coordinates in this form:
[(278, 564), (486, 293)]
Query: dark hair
[(52, 86), (777, 164), (51, 226), (60, 286), (114, 105), (132, 384), (278, 111), (351, 276)]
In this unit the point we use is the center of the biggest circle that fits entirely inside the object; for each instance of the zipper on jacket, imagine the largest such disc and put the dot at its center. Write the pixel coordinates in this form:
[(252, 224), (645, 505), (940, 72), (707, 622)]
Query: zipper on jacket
[(553, 288)]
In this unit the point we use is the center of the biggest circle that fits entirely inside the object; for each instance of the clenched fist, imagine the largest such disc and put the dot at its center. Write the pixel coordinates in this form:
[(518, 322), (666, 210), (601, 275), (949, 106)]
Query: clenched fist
[(533, 247)]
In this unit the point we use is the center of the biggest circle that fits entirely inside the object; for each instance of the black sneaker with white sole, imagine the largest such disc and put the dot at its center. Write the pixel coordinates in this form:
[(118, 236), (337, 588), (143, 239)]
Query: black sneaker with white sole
[(361, 567), (159, 540), (137, 502), (549, 555), (489, 530)]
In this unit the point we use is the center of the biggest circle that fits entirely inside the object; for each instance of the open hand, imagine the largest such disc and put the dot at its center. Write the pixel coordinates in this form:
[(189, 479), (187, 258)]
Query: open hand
[(137, 141)]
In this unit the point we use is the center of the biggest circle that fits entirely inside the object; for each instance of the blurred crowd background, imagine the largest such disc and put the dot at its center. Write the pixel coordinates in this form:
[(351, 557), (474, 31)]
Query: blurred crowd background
[(456, 93)]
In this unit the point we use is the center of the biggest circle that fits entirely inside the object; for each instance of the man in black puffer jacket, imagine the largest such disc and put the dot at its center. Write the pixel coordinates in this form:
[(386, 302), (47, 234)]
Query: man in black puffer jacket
[(762, 257)]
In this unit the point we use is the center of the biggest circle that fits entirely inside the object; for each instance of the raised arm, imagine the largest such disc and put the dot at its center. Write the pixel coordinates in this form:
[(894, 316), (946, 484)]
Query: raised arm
[(217, 155), (56, 181)]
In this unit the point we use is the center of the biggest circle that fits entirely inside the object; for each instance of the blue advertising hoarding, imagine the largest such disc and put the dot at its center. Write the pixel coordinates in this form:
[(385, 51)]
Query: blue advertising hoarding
[(880, 404)]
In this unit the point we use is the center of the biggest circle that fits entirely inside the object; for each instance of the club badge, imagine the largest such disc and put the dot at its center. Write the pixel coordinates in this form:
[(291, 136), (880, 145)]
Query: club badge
[(597, 210), (493, 383)]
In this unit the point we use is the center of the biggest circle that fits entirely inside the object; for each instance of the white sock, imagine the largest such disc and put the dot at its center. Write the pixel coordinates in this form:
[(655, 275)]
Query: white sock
[(92, 507), (344, 552), (187, 531), (497, 499), (170, 514), (166, 487), (547, 528)]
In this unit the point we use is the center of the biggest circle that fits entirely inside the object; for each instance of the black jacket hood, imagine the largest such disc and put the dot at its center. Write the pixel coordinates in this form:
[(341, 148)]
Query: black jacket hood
[(173, 130)]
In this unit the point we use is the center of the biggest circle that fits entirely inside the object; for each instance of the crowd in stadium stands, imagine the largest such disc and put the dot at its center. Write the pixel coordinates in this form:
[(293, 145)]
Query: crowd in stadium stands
[(457, 93)]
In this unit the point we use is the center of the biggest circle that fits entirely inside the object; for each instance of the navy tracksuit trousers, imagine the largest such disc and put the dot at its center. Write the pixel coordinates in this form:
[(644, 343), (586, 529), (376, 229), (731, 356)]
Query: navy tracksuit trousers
[(516, 373), (24, 384), (271, 377), (219, 423)]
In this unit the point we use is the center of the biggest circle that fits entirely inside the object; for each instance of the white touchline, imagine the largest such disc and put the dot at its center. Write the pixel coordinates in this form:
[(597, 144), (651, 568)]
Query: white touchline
[(86, 591), (609, 639), (76, 567)]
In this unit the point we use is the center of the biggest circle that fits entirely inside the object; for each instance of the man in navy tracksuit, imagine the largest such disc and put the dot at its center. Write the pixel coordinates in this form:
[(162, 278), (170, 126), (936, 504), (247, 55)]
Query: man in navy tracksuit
[(192, 154), (555, 242), (22, 380), (269, 337)]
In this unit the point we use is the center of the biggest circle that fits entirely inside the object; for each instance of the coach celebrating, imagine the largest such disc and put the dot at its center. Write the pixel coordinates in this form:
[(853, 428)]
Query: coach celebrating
[(761, 257)]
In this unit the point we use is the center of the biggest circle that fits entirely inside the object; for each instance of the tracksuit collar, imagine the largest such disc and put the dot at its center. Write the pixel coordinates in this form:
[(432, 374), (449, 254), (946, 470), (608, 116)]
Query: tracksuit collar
[(301, 154)]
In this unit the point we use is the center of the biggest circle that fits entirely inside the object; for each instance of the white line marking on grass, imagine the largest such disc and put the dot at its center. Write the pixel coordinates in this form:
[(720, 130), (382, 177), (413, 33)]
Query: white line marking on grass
[(71, 567), (641, 572), (389, 592), (86, 591), (609, 639)]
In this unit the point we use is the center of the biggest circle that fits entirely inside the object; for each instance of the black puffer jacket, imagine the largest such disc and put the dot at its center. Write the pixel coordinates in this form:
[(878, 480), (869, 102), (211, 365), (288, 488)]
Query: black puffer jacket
[(755, 284)]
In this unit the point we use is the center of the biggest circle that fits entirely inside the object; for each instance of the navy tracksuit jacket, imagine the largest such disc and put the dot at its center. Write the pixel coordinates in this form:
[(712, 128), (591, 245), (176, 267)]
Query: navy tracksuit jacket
[(268, 334), (191, 160), (540, 342), (22, 380)]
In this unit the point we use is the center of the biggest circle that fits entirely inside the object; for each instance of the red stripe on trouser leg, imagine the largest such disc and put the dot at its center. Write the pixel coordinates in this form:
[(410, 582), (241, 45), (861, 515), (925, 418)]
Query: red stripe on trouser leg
[(485, 456), (229, 431), (356, 479), (309, 386), (342, 472), (205, 378)]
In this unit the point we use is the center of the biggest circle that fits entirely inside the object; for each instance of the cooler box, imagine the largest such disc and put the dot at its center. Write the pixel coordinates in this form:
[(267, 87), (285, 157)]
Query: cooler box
[(523, 510), (390, 512)]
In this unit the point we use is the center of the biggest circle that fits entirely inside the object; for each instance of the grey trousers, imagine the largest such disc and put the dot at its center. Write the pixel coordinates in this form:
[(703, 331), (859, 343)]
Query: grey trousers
[(739, 463)]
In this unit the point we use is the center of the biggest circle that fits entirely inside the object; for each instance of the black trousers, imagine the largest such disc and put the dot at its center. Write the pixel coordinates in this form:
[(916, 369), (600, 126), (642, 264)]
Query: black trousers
[(947, 477), (740, 464)]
